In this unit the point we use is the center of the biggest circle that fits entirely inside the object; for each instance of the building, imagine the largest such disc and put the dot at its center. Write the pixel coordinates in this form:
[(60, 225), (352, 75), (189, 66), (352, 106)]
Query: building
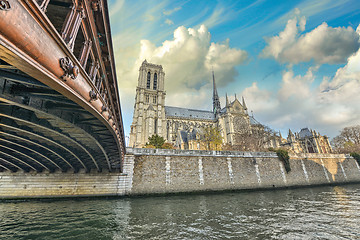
[(307, 141), (184, 127)]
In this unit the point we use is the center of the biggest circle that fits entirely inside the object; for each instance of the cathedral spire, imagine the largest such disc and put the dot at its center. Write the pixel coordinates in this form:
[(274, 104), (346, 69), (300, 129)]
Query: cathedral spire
[(290, 133), (244, 105), (227, 100), (216, 101), (291, 137)]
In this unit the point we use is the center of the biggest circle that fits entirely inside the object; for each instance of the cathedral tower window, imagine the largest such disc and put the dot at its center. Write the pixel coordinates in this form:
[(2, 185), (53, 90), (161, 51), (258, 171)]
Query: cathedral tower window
[(147, 98), (155, 81), (154, 99), (148, 81)]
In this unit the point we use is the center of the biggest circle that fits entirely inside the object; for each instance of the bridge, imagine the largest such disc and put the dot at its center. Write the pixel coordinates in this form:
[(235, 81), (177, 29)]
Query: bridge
[(59, 99)]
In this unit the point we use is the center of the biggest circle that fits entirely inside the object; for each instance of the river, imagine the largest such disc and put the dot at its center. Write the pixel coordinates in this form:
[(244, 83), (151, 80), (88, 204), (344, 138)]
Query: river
[(311, 213)]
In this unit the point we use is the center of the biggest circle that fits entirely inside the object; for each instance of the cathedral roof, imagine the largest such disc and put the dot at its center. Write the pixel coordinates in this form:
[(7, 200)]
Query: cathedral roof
[(223, 110), (305, 132), (189, 113), (146, 63), (253, 121)]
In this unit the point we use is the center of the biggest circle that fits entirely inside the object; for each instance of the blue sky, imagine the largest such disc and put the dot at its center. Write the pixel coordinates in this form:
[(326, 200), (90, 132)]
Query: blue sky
[(297, 63)]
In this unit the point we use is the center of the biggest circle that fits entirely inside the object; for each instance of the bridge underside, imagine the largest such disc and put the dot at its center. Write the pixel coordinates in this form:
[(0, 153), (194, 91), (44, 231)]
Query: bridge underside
[(42, 130)]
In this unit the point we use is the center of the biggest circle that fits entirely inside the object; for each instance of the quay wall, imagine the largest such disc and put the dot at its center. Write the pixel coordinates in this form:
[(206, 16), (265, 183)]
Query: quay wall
[(160, 171), (175, 171), (53, 185)]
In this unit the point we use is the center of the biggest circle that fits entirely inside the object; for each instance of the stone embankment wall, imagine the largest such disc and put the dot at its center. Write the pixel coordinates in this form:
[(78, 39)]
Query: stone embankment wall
[(169, 171), (59, 184), (158, 171)]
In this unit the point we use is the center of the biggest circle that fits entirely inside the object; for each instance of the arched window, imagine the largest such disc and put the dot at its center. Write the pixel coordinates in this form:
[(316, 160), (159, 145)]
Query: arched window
[(148, 81), (310, 147), (155, 81)]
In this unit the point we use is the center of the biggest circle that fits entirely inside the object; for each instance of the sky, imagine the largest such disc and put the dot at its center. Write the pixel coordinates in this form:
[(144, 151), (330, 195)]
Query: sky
[(296, 63)]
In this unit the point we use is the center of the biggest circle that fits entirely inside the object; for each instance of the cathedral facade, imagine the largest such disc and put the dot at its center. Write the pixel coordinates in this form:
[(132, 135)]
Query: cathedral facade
[(307, 141), (184, 127)]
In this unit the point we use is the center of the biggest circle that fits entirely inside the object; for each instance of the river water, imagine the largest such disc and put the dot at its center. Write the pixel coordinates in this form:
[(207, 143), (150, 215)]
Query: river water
[(310, 213)]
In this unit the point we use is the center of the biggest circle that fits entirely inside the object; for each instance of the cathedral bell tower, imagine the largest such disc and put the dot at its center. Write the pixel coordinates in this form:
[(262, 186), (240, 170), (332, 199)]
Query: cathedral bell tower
[(149, 109)]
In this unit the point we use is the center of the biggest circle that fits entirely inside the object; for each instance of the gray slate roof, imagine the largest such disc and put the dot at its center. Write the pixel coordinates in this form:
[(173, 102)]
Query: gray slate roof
[(253, 121), (189, 113), (305, 132)]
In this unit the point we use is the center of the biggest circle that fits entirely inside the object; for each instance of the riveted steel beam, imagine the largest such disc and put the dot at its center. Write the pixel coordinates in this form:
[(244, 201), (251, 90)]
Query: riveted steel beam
[(24, 155), (32, 150), (2, 166), (12, 164), (17, 159), (57, 133), (53, 118), (47, 140), (38, 145)]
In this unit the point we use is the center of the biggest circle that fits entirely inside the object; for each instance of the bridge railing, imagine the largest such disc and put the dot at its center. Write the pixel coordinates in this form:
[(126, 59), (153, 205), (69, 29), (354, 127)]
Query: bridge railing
[(179, 152)]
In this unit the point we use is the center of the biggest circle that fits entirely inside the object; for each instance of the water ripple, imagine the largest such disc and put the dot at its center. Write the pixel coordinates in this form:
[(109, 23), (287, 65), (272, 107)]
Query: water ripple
[(313, 213)]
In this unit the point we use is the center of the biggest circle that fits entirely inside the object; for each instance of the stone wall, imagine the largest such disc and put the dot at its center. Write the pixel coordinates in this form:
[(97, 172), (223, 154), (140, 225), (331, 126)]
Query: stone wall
[(157, 171), (59, 184), (174, 171), (33, 184)]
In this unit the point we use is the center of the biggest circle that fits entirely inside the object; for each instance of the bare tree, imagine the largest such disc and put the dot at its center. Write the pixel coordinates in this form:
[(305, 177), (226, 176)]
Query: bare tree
[(348, 140), (255, 140)]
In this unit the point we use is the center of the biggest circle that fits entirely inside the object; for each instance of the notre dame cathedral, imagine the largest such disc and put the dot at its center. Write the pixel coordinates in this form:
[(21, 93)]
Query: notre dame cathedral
[(183, 127)]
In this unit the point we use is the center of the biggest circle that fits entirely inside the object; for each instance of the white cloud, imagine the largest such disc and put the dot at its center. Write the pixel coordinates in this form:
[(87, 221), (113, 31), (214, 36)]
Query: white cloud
[(220, 56), (187, 60), (149, 18), (220, 14), (297, 86), (194, 99), (115, 8), (324, 44), (171, 11), (286, 38), (216, 18), (327, 108), (259, 99), (341, 94), (286, 108), (309, 8), (169, 22)]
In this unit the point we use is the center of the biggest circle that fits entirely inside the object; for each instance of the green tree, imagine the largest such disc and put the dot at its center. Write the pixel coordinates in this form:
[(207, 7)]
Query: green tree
[(167, 146), (149, 146), (156, 141), (212, 138)]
